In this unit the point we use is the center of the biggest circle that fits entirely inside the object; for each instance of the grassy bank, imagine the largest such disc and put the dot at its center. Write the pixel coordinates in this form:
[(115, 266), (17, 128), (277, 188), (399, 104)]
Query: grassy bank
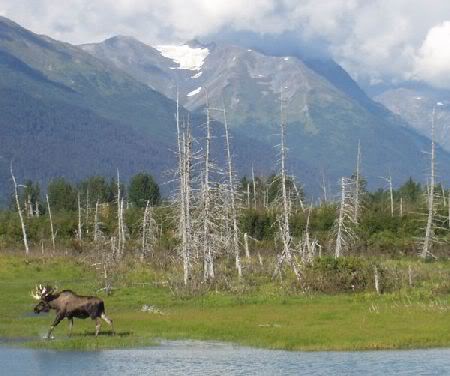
[(268, 317)]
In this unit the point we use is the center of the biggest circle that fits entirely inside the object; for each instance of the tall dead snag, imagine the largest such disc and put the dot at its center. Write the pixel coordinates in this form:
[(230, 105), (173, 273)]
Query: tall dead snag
[(52, 232), (232, 192), (120, 224), (184, 144), (96, 224), (324, 188), (343, 227), (308, 245), (88, 207), (148, 231), (254, 187), (356, 202), (208, 260), (79, 218), (285, 235), (19, 210), (429, 230)]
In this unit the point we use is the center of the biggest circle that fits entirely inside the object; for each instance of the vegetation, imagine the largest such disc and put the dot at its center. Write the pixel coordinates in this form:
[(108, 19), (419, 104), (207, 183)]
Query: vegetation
[(259, 313)]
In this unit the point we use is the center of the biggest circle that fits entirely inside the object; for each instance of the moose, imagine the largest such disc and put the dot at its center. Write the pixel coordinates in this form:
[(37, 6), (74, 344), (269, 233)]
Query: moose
[(68, 304)]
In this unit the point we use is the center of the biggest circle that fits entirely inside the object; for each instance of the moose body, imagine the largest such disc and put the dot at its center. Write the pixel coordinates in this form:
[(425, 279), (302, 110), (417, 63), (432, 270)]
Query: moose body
[(68, 305)]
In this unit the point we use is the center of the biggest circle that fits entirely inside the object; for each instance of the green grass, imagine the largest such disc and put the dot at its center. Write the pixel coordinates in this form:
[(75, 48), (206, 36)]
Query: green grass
[(271, 319)]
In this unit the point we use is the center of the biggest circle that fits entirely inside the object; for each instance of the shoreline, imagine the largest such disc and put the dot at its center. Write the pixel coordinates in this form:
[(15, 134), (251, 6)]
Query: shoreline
[(267, 318)]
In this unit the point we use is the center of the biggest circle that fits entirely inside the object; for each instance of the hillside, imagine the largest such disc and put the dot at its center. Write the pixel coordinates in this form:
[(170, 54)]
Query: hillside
[(326, 111), (414, 103), (65, 113)]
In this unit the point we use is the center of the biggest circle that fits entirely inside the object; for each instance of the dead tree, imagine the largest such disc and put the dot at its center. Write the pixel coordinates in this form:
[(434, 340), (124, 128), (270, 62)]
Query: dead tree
[(231, 187), (184, 144), (149, 231), (254, 187), (96, 225), (19, 210), (120, 225), (285, 235), (79, 218), (343, 227), (52, 232), (429, 230), (308, 245), (356, 203), (208, 268)]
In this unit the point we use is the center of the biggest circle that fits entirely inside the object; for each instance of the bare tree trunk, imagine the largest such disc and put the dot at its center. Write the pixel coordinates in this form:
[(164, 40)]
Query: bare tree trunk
[(233, 199), (51, 222), (79, 218), (449, 209), (324, 188), (144, 231), (391, 195), (401, 207), (184, 140), (284, 224), (376, 280), (427, 244), (29, 207), (357, 184), (254, 188), (88, 204), (19, 210), (119, 217), (247, 250), (96, 222), (338, 249), (187, 162), (207, 252)]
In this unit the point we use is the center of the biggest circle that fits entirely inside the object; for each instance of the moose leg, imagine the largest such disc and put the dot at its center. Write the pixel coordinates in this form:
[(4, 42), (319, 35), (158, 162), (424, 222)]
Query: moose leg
[(57, 320), (108, 321), (98, 323), (70, 325)]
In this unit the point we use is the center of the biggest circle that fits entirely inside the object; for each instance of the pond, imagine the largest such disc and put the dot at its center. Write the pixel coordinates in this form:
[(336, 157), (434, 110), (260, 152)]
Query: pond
[(210, 358)]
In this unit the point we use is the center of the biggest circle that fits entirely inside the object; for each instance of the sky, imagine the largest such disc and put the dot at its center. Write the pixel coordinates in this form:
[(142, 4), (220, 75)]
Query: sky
[(376, 41)]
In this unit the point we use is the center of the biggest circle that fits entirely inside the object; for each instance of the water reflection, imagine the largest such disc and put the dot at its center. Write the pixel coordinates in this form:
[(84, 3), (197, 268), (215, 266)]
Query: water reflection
[(209, 358)]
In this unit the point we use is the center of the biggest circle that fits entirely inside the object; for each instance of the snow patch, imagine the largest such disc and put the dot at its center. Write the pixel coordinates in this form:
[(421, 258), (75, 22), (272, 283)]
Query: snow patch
[(249, 50), (197, 75), (418, 98), (286, 59), (185, 56), (194, 92)]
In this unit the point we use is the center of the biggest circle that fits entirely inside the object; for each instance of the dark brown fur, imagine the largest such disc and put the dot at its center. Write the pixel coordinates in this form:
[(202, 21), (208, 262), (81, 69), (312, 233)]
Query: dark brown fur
[(68, 305)]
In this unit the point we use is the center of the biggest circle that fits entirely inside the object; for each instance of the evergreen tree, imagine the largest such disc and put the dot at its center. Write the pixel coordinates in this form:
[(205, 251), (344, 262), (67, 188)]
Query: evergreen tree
[(143, 188), (62, 195)]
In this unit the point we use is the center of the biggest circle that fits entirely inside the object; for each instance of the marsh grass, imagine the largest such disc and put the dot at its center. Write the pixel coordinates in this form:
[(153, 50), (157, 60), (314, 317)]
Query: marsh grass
[(267, 316)]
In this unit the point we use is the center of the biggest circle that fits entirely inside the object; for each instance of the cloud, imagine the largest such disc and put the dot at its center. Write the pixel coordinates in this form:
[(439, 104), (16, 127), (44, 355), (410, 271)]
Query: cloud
[(432, 62), (378, 40)]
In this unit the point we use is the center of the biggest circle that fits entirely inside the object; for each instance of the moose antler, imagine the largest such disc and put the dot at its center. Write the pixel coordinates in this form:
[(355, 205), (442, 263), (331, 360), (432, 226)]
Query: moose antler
[(41, 292), (37, 293)]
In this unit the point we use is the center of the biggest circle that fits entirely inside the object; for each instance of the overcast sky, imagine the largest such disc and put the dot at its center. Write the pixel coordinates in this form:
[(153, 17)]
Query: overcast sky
[(380, 39)]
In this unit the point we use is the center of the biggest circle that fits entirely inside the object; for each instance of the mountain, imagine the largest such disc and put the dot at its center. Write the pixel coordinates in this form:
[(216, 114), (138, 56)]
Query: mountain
[(414, 103), (326, 111), (76, 111), (66, 113)]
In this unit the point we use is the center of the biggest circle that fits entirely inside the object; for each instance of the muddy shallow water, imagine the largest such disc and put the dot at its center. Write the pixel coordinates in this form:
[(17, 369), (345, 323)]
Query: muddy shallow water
[(210, 358)]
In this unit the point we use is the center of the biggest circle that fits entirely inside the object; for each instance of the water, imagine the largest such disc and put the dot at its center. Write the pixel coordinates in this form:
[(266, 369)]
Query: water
[(209, 358)]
